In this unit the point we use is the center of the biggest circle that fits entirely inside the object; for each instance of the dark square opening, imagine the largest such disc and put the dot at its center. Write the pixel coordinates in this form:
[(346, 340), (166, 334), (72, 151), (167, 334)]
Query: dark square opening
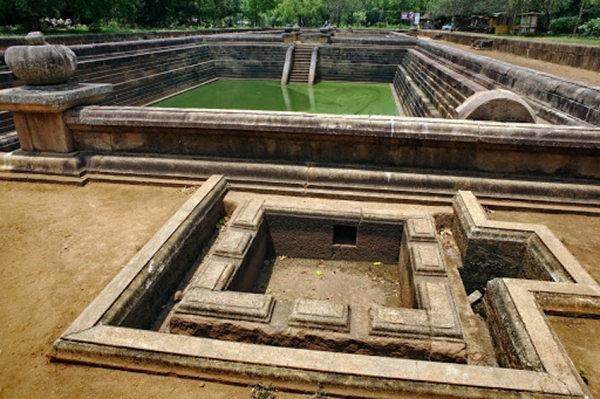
[(344, 235)]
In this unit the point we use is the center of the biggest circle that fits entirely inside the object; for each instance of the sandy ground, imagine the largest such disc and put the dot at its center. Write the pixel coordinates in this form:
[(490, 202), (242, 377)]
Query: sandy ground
[(60, 245), (578, 74)]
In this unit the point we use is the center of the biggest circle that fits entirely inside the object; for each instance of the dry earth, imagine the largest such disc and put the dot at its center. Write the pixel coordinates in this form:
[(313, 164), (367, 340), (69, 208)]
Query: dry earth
[(60, 245), (578, 74)]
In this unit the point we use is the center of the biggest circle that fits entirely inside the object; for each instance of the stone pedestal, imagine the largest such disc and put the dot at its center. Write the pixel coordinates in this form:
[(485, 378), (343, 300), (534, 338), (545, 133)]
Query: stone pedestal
[(37, 112), (291, 37)]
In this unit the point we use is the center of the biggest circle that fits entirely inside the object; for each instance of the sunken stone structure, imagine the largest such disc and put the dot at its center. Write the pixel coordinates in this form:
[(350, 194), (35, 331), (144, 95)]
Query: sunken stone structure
[(200, 298)]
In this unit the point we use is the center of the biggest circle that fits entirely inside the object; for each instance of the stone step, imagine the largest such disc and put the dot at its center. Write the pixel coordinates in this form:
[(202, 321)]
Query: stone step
[(118, 73), (441, 98), (463, 87)]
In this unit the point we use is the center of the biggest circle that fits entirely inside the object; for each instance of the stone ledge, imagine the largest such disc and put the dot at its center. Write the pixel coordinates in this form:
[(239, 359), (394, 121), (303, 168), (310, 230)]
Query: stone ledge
[(234, 244), (320, 314), (426, 260), (534, 251), (227, 304), (435, 296), (421, 229), (250, 215), (216, 275), (400, 322), (52, 98)]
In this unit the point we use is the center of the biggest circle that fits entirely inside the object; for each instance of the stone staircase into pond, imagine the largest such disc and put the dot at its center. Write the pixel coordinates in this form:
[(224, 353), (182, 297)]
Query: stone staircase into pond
[(301, 64)]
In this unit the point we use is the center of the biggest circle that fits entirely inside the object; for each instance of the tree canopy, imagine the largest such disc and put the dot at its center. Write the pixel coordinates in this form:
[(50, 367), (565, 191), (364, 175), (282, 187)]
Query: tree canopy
[(31, 14)]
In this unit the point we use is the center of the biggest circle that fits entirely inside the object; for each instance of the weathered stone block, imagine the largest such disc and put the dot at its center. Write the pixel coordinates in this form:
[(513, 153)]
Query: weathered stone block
[(426, 260), (215, 276), (234, 244), (421, 228), (250, 215), (326, 315), (399, 321), (227, 304)]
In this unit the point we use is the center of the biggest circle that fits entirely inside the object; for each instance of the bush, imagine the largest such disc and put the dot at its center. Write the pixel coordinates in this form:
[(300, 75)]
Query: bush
[(591, 28), (564, 25)]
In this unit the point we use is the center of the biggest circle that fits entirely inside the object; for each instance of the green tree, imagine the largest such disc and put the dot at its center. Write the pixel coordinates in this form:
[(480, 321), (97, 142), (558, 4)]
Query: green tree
[(339, 12), (254, 9), (98, 11), (29, 12), (304, 10), (585, 6), (226, 9)]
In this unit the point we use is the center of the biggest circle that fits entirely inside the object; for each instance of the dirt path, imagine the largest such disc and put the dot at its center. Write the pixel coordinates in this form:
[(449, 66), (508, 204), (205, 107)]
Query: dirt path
[(59, 246), (577, 74)]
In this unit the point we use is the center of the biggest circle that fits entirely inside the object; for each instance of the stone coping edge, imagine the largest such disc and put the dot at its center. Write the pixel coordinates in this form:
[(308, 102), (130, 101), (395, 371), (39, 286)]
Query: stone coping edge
[(432, 130), (304, 180)]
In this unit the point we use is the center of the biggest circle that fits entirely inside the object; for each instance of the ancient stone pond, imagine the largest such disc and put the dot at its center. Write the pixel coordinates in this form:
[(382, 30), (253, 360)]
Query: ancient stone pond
[(349, 250), (322, 98)]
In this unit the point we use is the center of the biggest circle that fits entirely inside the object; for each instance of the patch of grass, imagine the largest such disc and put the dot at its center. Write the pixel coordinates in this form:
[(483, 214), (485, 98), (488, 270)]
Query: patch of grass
[(260, 391), (564, 39), (585, 376), (320, 393)]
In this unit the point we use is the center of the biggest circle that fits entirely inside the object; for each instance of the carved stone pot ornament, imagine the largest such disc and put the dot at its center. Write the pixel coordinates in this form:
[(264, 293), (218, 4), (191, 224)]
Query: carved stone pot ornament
[(41, 63)]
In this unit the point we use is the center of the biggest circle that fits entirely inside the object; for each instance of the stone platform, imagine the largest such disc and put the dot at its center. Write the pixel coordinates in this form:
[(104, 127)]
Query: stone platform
[(115, 330)]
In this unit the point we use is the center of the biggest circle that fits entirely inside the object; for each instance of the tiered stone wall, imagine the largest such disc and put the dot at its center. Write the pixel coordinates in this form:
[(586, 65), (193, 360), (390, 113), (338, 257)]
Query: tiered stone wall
[(143, 77), (72, 40), (428, 88), (359, 63), (248, 60), (431, 79), (555, 100)]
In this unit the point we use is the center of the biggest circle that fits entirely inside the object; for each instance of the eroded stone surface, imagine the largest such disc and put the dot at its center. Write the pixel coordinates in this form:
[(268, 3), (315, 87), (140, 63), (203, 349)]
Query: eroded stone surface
[(319, 314), (41, 63), (216, 275), (421, 229), (427, 260), (228, 304), (398, 321), (234, 244)]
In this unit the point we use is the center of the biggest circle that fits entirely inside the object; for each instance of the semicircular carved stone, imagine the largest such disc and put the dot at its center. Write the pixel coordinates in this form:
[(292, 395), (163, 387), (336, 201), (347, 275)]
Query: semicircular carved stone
[(41, 63), (496, 105)]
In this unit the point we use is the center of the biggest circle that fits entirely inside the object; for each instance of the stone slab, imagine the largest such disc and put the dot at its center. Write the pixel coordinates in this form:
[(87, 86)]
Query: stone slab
[(227, 304), (399, 321), (216, 275), (320, 314), (427, 260), (435, 296), (234, 244), (51, 98), (250, 214), (421, 229)]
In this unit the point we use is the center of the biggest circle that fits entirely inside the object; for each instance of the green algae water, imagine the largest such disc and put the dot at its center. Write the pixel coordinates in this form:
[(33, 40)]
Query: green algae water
[(322, 98)]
